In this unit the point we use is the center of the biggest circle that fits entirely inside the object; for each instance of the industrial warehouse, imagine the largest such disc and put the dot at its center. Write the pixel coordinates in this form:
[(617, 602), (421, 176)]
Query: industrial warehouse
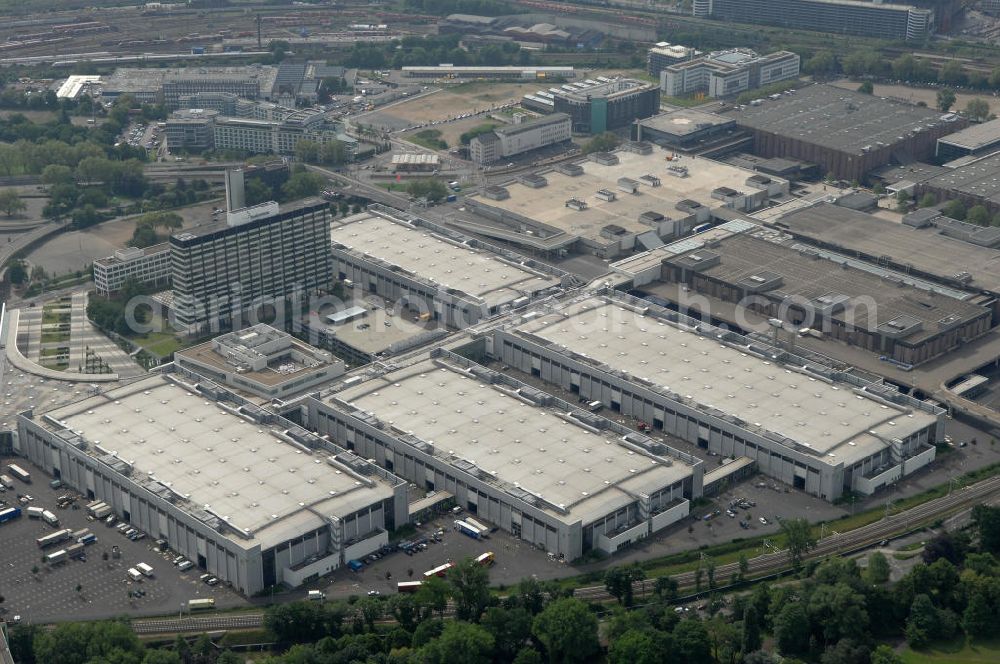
[(563, 479), (432, 271), (802, 423), (250, 498), (847, 133), (803, 287), (615, 202)]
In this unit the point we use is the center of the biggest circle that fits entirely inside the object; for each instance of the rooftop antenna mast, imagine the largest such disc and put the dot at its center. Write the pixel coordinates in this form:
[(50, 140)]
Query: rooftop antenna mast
[(259, 44)]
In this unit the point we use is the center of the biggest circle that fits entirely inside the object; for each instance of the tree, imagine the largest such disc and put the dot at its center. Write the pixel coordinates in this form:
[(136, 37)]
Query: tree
[(460, 642), (692, 642), (878, 568), (838, 612), (979, 215), (920, 625), (821, 64), (977, 109), (636, 647), (370, 609), (954, 209), (942, 545), (162, 657), (510, 629), (799, 539), (945, 99), (618, 582), (296, 622), (952, 72), (470, 588), (10, 202), (57, 174), (928, 200), (902, 201), (302, 185), (17, 273), (528, 656), (307, 151), (257, 192), (432, 596), (979, 618), (867, 87), (404, 610), (885, 655), (665, 588), (710, 573), (751, 630), (86, 216), (986, 522), (568, 630), (791, 629), (334, 153), (601, 143), (430, 188)]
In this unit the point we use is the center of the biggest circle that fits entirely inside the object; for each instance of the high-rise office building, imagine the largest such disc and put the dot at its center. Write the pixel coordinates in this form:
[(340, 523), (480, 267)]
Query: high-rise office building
[(257, 256)]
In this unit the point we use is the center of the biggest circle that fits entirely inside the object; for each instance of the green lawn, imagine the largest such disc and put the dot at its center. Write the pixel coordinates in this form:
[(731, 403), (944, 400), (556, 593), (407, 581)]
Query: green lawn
[(161, 343), (955, 652), (53, 352), (54, 337)]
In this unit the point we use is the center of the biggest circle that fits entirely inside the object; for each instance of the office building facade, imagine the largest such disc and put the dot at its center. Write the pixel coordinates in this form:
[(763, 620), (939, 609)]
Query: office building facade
[(224, 270), (610, 104), (146, 267), (850, 17), (520, 138), (727, 73)]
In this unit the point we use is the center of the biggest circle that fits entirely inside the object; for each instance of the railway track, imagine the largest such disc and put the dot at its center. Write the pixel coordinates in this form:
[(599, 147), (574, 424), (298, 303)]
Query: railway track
[(763, 565), (836, 544)]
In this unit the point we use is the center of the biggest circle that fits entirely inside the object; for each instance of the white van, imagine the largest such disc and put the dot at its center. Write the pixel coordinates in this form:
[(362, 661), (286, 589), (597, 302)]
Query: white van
[(145, 569), (134, 574), (186, 565), (317, 595)]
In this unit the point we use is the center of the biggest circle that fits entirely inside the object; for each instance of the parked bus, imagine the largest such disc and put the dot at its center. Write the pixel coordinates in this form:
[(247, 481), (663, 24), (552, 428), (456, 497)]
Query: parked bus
[(201, 604), (54, 538), (466, 529), (441, 570), (19, 473), (9, 514), (486, 559), (409, 586), (483, 530)]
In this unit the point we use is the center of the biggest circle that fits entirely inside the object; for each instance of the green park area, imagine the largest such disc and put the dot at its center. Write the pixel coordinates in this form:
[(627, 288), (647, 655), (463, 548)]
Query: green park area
[(956, 651)]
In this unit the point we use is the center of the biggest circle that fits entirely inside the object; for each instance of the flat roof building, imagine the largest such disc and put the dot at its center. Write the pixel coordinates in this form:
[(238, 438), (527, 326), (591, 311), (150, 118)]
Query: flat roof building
[(562, 479), (515, 139), (851, 17), (451, 71), (804, 289), (802, 423), (437, 273), (728, 73), (365, 331), (168, 85), (685, 129), (976, 182), (262, 361), (410, 162), (921, 252), (149, 266), (847, 133), (606, 105), (669, 198), (974, 140), (253, 503), (664, 54)]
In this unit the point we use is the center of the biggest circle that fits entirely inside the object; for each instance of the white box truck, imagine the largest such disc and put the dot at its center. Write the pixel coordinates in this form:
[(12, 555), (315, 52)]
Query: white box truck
[(50, 518), (35, 512), (145, 569)]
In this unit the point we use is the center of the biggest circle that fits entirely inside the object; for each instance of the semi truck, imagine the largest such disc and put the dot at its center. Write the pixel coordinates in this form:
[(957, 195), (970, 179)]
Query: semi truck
[(35, 512), (9, 514), (76, 550), (19, 473), (100, 511), (54, 538), (483, 530), (56, 557)]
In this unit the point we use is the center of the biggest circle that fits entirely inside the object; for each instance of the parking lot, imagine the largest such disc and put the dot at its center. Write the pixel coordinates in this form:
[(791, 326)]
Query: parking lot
[(39, 592), (515, 560)]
